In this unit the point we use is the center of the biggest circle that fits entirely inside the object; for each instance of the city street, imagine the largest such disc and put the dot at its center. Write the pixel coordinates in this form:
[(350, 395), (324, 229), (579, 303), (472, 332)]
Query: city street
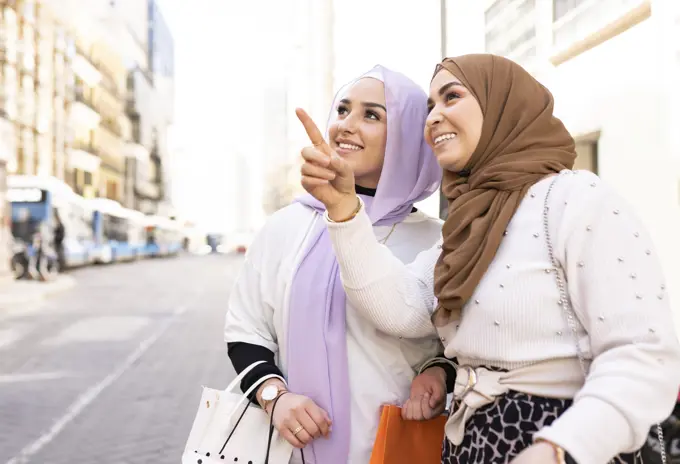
[(110, 371)]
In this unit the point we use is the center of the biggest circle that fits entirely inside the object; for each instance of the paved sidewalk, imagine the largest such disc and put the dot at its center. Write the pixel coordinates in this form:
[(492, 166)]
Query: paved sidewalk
[(19, 293)]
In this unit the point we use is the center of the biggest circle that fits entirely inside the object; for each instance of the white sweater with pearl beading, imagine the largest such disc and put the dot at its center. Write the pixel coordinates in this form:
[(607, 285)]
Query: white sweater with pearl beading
[(615, 285)]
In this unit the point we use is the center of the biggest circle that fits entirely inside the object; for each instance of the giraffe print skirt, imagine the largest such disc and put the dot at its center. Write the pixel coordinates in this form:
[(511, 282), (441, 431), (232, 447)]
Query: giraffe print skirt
[(498, 432)]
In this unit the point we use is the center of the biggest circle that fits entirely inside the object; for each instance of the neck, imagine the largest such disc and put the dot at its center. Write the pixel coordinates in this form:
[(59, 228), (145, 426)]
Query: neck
[(369, 181)]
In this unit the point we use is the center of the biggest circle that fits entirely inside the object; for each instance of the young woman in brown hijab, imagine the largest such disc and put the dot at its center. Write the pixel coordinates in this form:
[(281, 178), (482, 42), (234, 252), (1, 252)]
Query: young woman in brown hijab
[(544, 276)]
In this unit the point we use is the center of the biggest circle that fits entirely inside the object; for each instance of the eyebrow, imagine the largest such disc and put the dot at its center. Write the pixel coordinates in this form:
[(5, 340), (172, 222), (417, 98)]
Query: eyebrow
[(367, 104), (444, 88)]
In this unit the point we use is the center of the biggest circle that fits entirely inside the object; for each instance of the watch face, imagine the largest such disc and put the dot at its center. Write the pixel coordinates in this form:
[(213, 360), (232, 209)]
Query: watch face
[(269, 392)]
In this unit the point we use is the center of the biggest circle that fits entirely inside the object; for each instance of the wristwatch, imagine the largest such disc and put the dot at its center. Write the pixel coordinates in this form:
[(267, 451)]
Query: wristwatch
[(270, 393)]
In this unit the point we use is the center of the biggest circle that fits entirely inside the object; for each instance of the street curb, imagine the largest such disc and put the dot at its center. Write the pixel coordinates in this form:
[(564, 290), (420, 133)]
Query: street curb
[(24, 293)]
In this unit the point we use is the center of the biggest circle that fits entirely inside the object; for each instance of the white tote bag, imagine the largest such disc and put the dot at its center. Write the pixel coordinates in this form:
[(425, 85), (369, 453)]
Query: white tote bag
[(228, 428)]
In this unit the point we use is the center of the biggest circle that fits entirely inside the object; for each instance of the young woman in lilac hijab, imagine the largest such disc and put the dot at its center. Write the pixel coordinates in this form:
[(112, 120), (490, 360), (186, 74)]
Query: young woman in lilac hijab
[(288, 306)]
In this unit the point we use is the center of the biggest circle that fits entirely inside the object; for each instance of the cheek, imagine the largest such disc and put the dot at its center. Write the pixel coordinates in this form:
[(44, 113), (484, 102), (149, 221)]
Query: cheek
[(467, 119), (377, 138), (474, 128), (427, 134)]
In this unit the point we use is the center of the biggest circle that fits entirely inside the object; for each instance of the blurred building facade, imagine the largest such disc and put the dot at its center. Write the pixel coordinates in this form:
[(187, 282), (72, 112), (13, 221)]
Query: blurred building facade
[(161, 52), (612, 66), (307, 83), (86, 96), (76, 78), (138, 29), (36, 94)]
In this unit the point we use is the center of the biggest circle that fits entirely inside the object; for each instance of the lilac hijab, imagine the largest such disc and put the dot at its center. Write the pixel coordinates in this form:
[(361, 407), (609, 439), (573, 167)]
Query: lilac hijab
[(317, 346)]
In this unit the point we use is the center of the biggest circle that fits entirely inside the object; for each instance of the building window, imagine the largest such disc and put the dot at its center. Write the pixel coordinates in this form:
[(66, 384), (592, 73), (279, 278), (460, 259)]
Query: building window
[(511, 28), (111, 190), (74, 179), (136, 130), (562, 7), (87, 178)]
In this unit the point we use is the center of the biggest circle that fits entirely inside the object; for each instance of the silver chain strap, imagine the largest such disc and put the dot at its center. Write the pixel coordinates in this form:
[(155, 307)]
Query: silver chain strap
[(568, 310)]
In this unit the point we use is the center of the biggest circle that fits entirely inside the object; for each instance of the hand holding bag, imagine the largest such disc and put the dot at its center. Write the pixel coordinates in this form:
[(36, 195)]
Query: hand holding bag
[(400, 441), (228, 428)]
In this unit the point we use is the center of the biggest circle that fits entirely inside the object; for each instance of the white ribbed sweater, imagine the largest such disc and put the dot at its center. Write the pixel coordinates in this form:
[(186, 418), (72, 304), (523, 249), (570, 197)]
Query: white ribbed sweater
[(615, 285)]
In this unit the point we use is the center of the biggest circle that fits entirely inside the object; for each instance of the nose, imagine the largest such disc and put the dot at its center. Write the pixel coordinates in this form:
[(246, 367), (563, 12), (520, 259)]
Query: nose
[(348, 124), (434, 118)]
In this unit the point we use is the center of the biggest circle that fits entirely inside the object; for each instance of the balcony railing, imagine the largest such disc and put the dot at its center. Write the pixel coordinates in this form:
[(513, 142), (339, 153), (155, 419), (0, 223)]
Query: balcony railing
[(84, 115), (136, 151), (117, 167), (109, 147), (147, 189), (84, 96), (84, 146), (107, 81), (112, 126), (108, 141), (85, 69)]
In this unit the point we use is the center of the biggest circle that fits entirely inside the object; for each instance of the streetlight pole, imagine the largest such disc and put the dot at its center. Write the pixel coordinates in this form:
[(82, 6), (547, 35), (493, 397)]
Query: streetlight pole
[(443, 202), (442, 25)]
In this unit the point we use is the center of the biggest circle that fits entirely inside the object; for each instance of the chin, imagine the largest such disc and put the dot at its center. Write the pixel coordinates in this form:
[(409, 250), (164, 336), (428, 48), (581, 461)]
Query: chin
[(449, 162)]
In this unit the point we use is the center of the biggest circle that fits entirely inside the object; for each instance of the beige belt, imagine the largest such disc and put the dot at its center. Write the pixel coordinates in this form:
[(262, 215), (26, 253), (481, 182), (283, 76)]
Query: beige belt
[(476, 387)]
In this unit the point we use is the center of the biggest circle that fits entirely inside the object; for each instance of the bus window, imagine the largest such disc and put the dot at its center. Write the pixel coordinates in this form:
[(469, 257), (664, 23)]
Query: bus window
[(24, 226), (115, 228)]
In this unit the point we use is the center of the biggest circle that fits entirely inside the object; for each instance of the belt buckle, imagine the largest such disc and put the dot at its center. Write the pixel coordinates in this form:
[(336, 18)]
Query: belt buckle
[(471, 381)]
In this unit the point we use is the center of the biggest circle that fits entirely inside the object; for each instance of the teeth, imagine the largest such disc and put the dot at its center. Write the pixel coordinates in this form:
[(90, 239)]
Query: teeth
[(443, 137), (348, 146)]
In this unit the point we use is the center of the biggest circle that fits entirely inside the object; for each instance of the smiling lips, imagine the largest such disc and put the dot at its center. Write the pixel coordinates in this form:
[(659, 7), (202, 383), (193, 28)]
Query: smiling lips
[(349, 146), (444, 137)]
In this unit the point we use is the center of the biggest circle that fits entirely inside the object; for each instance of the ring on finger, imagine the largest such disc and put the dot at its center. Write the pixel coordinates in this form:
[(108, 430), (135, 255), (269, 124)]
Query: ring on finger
[(298, 430)]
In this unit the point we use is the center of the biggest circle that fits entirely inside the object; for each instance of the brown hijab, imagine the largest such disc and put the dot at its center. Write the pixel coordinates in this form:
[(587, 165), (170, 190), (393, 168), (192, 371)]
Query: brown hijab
[(521, 142)]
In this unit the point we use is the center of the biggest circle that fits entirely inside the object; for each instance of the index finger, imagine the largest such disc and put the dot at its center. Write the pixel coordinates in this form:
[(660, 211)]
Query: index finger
[(313, 132)]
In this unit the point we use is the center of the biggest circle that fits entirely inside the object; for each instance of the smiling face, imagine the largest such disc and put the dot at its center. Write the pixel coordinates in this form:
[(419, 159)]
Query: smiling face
[(454, 125), (359, 131)]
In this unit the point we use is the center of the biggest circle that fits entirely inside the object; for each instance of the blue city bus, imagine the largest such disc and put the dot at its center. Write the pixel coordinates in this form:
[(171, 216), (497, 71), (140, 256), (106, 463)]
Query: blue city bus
[(43, 208), (118, 231), (164, 237)]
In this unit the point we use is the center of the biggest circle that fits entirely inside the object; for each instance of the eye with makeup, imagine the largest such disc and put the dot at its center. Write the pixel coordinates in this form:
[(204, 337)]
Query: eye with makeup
[(343, 110), (446, 94), (449, 97), (372, 115)]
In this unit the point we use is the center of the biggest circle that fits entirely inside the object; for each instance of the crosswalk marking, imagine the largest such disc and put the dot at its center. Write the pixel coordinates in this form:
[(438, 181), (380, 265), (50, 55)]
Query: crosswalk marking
[(16, 378)]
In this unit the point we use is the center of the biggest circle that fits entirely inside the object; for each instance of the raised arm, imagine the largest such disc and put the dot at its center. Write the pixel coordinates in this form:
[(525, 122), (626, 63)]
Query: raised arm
[(397, 298)]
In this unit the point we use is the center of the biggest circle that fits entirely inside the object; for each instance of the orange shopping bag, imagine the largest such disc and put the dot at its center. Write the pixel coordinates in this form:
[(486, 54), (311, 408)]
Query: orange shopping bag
[(400, 441)]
